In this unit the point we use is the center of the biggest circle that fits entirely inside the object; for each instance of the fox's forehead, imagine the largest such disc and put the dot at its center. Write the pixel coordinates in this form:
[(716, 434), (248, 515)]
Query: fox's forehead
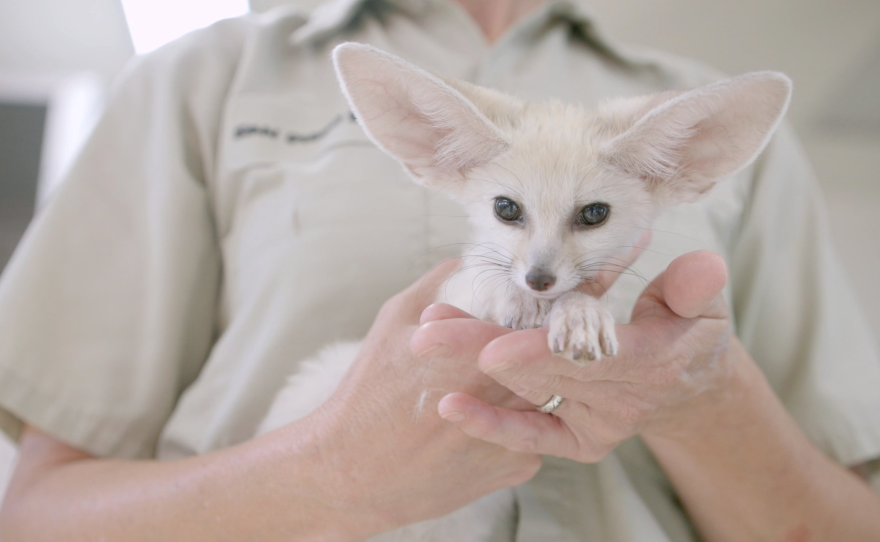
[(558, 124), (575, 123), (553, 159)]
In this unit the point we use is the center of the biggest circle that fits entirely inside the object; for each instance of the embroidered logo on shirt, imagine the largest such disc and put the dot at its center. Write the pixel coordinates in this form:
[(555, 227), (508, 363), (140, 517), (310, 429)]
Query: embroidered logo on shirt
[(290, 137), (248, 130)]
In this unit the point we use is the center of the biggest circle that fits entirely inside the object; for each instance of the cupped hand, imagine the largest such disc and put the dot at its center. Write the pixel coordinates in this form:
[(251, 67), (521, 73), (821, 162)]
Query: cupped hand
[(383, 454), (673, 356)]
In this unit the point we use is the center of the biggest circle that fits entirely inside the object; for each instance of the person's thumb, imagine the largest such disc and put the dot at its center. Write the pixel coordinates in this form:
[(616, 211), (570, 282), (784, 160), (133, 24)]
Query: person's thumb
[(691, 286)]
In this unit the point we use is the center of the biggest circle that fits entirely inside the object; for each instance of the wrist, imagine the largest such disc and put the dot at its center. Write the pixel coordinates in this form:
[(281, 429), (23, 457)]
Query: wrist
[(727, 405), (318, 501), (740, 427), (745, 471)]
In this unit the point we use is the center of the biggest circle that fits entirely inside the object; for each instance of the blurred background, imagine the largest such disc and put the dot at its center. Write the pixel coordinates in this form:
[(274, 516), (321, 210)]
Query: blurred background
[(58, 58)]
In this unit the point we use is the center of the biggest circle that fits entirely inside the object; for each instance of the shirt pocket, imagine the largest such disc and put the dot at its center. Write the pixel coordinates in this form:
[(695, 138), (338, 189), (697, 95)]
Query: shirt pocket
[(321, 205)]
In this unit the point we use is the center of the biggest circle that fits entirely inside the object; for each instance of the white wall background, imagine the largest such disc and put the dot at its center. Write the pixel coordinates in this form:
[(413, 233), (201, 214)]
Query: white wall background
[(824, 45), (63, 36)]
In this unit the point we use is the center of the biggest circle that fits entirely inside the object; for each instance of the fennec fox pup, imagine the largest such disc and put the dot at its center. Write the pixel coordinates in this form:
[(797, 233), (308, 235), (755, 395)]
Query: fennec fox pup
[(554, 191)]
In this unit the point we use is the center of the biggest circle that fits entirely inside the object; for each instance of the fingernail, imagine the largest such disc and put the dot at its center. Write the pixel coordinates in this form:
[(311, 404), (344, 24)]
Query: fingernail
[(455, 416), (438, 350)]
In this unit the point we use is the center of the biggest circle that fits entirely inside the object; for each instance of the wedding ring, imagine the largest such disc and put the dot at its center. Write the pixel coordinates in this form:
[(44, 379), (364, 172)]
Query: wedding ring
[(551, 405)]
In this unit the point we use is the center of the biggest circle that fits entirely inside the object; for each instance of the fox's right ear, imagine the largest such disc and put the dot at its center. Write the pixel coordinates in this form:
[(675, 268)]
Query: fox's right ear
[(426, 124)]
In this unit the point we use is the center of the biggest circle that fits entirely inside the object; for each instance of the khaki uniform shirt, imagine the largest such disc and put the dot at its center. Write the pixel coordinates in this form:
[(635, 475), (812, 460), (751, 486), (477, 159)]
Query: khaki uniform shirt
[(228, 218)]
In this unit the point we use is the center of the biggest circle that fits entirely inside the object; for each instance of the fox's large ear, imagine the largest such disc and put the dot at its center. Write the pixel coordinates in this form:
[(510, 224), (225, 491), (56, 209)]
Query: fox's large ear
[(426, 124), (684, 145)]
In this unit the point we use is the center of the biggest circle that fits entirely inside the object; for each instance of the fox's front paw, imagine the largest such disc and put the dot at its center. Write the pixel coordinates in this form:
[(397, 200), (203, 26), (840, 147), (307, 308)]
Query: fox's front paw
[(581, 329), (522, 312)]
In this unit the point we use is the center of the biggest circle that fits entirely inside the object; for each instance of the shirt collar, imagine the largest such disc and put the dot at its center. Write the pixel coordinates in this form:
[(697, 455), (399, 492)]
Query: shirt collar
[(331, 17)]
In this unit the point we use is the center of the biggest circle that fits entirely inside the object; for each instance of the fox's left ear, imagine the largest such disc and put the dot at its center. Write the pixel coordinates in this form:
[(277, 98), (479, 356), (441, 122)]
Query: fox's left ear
[(428, 125), (684, 145)]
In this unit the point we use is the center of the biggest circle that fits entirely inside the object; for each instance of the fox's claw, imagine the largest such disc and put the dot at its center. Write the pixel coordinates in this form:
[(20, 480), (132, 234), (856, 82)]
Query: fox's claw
[(581, 329)]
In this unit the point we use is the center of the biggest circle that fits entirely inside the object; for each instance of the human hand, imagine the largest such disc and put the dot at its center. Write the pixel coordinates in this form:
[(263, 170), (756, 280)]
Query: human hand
[(673, 356), (382, 454)]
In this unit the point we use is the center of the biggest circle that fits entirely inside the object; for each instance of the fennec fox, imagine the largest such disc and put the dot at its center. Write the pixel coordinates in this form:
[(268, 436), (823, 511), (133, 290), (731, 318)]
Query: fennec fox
[(554, 191)]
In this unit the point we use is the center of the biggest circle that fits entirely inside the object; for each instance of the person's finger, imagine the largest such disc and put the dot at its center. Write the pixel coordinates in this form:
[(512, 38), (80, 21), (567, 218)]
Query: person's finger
[(525, 352), (462, 338), (519, 431), (691, 286), (538, 388), (614, 268), (442, 311)]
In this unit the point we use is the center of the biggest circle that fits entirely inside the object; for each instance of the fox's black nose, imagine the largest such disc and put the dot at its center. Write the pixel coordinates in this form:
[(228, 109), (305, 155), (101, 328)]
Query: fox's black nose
[(540, 279)]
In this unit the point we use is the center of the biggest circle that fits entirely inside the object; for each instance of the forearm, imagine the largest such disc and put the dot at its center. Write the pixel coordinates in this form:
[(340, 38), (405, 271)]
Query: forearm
[(745, 471), (258, 491)]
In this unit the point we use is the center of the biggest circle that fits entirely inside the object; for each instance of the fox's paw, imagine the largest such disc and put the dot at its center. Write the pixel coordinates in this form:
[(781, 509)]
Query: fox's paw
[(522, 312), (581, 329)]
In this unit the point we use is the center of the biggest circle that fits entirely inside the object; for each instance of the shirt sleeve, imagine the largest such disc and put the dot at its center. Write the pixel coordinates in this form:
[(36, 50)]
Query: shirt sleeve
[(107, 308), (797, 314)]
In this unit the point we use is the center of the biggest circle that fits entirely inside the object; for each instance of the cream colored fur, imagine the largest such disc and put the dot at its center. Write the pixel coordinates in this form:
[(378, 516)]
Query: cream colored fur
[(635, 155)]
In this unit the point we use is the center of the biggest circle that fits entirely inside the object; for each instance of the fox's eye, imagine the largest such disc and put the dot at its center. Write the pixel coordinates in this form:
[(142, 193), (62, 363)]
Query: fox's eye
[(507, 210), (593, 214)]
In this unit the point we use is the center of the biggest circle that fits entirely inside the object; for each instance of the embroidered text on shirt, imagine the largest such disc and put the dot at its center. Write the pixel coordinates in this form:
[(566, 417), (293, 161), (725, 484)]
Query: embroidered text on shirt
[(246, 130)]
